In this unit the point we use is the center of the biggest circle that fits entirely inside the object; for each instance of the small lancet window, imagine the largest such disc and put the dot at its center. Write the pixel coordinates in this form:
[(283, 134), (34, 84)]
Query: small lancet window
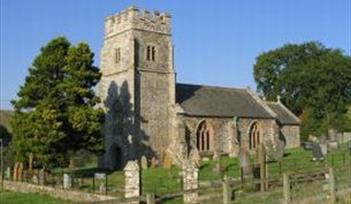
[(153, 53), (117, 55), (150, 53)]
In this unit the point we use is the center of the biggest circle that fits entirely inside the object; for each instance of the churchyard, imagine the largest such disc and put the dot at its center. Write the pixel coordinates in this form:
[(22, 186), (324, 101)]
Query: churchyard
[(308, 180)]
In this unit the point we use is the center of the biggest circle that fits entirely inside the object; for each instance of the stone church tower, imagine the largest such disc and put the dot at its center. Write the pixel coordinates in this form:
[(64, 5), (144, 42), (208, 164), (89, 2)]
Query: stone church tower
[(137, 86)]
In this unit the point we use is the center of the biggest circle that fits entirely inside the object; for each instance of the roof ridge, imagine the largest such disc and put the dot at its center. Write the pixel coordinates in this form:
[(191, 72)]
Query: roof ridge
[(261, 102), (212, 86), (289, 111)]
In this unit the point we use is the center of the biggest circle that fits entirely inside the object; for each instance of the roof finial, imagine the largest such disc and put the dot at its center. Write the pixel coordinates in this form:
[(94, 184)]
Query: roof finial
[(278, 98)]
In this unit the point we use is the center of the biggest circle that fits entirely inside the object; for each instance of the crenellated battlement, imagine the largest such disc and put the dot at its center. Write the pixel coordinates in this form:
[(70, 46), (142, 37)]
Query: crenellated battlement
[(134, 18)]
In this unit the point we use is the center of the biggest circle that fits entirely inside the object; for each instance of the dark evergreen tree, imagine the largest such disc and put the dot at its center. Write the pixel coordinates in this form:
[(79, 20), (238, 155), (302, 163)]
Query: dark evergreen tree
[(55, 112)]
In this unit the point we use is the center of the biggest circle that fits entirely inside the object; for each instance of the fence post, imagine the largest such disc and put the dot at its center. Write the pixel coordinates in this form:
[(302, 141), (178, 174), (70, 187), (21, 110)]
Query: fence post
[(286, 188), (332, 186), (150, 198), (226, 191)]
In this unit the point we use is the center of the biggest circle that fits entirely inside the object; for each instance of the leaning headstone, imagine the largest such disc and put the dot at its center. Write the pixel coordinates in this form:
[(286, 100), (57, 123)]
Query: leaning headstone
[(244, 160), (67, 181), (143, 162), (190, 182), (317, 152), (132, 180)]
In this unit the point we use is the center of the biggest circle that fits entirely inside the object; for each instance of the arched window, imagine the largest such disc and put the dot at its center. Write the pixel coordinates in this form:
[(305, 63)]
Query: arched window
[(255, 136), (204, 134)]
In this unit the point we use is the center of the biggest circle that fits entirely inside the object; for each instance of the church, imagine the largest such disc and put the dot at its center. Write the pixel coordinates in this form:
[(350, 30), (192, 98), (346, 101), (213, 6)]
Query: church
[(149, 114)]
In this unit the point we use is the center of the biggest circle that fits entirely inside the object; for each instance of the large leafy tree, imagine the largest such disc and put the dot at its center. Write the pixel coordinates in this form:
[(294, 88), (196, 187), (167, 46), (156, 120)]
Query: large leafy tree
[(314, 81), (55, 112)]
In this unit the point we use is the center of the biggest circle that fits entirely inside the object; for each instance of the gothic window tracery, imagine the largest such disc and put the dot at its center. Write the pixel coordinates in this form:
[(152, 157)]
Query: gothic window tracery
[(203, 136), (254, 135)]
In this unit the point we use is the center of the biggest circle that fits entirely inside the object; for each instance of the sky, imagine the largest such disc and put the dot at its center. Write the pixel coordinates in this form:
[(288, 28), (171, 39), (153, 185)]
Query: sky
[(216, 42)]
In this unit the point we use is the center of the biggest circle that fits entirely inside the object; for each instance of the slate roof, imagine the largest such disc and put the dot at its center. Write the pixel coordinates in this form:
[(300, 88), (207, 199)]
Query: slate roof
[(199, 100), (284, 116)]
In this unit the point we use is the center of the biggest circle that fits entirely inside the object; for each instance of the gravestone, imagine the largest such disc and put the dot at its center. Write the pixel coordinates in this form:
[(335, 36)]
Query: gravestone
[(324, 149), (143, 162), (332, 146), (67, 181), (132, 180), (317, 152), (194, 157), (190, 182), (35, 179), (8, 173), (42, 177), (244, 161)]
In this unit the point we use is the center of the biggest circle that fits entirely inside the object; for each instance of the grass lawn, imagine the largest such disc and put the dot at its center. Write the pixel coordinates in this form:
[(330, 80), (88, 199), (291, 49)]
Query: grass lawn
[(8, 197), (164, 181)]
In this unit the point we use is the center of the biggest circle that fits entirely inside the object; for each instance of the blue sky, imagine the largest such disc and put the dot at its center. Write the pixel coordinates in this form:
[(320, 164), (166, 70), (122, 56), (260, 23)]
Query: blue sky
[(216, 41)]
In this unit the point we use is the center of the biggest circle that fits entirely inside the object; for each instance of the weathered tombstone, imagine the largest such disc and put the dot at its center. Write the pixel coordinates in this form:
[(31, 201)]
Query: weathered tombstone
[(190, 182), (8, 173), (42, 177), (143, 162), (332, 146), (244, 160), (317, 152), (67, 181), (194, 157), (274, 152), (324, 148), (132, 180), (35, 179)]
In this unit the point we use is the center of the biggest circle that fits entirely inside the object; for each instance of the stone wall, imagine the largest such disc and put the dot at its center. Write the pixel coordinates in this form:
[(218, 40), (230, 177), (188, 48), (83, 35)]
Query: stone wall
[(291, 134), (77, 196), (229, 132)]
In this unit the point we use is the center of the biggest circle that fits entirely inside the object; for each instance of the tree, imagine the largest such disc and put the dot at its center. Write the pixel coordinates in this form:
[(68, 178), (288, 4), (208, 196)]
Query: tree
[(55, 111), (313, 81)]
